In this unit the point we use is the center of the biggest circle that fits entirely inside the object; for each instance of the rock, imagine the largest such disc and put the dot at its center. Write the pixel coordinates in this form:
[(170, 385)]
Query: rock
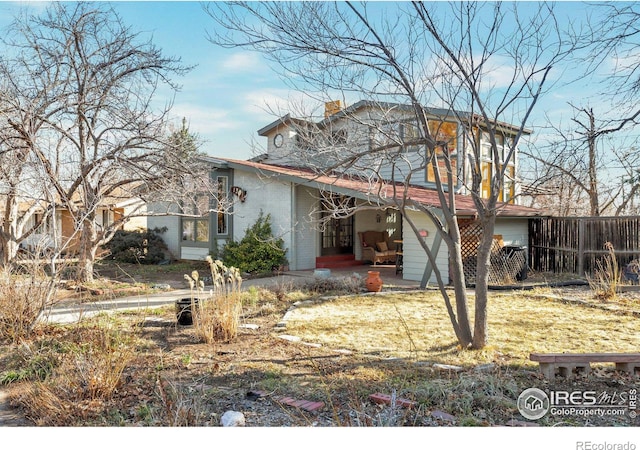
[(290, 338), (520, 423), (484, 368), (249, 326), (162, 286), (448, 367), (232, 419), (441, 415)]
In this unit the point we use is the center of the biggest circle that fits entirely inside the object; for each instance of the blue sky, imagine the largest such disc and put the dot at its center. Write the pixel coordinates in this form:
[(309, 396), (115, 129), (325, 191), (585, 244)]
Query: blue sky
[(224, 98), (227, 97)]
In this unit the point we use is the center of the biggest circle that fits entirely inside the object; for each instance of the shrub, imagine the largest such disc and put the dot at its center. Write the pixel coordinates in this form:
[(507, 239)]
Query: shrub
[(22, 300), (138, 247), (258, 251)]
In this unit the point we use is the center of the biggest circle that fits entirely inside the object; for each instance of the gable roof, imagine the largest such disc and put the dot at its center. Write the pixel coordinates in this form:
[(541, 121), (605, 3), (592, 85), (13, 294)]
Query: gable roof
[(371, 191)]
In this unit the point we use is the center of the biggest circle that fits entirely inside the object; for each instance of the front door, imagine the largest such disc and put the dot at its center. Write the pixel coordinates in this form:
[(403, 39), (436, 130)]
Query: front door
[(337, 237)]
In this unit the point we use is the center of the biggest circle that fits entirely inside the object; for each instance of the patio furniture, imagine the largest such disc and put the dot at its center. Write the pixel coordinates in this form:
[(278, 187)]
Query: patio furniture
[(376, 247)]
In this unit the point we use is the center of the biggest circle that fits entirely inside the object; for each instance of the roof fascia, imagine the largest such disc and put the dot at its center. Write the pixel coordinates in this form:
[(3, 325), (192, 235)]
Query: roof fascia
[(301, 180)]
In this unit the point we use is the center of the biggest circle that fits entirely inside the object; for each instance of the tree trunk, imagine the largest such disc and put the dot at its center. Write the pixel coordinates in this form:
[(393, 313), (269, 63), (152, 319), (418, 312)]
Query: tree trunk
[(480, 337), (594, 201), (9, 232), (459, 286), (9, 251), (87, 252)]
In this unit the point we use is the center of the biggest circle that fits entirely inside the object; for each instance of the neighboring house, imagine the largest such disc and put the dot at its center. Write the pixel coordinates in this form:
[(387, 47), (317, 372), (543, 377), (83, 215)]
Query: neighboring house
[(64, 232), (280, 186)]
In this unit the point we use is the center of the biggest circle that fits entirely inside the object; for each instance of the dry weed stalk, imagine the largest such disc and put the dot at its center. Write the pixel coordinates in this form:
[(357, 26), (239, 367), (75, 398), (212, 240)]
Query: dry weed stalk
[(217, 317), (22, 300), (607, 277)]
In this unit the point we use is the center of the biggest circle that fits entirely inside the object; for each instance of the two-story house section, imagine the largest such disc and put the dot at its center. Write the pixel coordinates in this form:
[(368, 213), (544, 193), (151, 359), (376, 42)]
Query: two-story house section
[(359, 145), (384, 140)]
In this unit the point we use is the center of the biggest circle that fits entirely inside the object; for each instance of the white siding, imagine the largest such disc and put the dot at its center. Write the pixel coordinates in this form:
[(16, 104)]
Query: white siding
[(514, 231), (194, 253), (269, 196), (172, 236), (307, 234), (415, 258)]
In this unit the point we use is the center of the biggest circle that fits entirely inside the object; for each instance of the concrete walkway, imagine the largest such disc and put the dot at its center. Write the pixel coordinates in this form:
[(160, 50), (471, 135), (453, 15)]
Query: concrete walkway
[(70, 312)]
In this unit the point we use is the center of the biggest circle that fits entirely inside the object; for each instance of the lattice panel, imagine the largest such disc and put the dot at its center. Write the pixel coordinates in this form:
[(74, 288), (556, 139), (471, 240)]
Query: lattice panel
[(505, 266), (470, 232)]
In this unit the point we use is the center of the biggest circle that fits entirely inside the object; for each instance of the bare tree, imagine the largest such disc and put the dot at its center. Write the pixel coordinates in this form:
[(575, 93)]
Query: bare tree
[(21, 190), (485, 64), (594, 170), (90, 82), (596, 159)]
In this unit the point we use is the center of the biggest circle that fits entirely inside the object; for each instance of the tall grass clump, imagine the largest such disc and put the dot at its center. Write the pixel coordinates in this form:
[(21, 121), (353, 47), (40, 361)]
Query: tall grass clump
[(23, 297), (216, 316), (88, 371), (607, 275)]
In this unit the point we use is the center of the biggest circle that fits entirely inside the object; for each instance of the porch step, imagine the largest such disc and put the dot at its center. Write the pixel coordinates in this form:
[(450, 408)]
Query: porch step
[(337, 261)]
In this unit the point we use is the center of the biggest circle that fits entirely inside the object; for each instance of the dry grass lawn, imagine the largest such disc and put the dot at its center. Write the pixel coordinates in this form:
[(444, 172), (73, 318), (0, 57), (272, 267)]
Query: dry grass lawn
[(416, 326)]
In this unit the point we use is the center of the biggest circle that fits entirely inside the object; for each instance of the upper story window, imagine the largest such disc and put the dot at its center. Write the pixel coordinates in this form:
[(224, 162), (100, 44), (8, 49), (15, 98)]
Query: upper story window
[(392, 134), (488, 168), (446, 136)]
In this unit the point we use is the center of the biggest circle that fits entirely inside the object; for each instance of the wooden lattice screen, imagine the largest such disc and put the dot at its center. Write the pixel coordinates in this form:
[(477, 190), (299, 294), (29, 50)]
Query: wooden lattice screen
[(505, 265)]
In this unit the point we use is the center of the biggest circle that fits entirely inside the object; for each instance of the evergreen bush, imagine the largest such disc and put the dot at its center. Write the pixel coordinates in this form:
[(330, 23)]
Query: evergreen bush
[(138, 247), (258, 251)]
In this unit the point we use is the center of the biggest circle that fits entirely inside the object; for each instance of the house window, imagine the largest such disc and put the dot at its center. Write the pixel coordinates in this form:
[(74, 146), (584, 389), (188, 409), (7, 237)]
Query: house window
[(196, 229), (38, 219), (106, 219), (485, 188), (223, 200), (396, 134), (445, 135), (507, 193)]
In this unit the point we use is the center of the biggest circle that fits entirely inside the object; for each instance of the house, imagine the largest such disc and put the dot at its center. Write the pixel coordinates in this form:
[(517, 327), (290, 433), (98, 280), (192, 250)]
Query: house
[(63, 232), (286, 186)]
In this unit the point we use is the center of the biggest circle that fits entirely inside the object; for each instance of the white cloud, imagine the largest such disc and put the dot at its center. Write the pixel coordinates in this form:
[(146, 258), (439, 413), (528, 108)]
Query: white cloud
[(242, 62), (203, 120)]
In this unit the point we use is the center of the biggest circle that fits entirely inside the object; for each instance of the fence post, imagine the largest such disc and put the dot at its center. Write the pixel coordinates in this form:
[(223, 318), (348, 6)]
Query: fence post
[(581, 231)]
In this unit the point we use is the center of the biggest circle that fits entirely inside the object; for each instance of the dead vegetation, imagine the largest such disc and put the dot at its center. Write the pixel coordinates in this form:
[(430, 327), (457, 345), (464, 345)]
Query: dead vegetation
[(143, 369)]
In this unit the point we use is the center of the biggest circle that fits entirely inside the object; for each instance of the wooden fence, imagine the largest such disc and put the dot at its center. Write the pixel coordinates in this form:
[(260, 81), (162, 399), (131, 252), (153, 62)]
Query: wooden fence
[(575, 244)]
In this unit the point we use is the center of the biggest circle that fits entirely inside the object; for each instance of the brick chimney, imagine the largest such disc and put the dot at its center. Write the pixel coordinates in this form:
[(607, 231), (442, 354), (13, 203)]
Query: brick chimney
[(331, 108)]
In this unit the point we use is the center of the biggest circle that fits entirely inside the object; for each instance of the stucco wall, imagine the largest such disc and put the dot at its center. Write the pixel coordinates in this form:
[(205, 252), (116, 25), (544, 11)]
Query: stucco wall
[(270, 196), (306, 235), (172, 236)]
